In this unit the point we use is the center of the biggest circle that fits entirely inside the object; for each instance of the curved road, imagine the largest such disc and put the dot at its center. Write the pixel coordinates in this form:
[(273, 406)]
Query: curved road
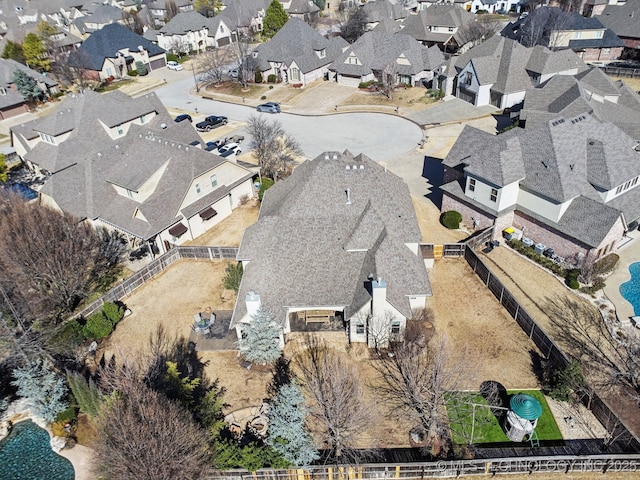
[(379, 136)]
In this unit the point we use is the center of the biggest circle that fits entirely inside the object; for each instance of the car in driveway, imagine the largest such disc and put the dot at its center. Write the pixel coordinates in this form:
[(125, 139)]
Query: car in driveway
[(183, 117), (211, 146), (269, 107), (211, 122), (229, 149), (173, 65)]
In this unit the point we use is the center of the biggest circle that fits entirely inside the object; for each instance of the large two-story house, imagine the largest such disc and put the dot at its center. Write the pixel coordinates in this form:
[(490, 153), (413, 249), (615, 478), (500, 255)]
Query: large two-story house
[(441, 25), (336, 243), (193, 32), (125, 164), (569, 183)]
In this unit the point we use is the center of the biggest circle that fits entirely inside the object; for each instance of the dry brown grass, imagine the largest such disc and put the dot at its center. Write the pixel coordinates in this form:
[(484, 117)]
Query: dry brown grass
[(407, 99), (430, 227), (229, 232), (633, 83)]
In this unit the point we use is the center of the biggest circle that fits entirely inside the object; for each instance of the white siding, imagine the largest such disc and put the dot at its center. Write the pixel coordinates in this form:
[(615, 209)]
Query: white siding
[(550, 210)]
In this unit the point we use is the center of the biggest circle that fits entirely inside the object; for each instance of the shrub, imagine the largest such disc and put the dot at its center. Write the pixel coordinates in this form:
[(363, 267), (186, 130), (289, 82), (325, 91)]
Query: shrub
[(562, 382), (172, 57), (598, 284), (264, 186), (98, 326), (69, 336), (263, 97), (366, 84), (297, 85), (606, 264), (271, 78), (451, 219), (270, 87), (133, 73), (529, 252), (258, 77), (66, 415), (141, 68), (244, 199), (113, 312), (233, 276)]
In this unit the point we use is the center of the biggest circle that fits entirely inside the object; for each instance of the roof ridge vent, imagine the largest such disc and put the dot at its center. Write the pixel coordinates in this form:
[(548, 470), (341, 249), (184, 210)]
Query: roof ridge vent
[(348, 167), (335, 156), (326, 157)]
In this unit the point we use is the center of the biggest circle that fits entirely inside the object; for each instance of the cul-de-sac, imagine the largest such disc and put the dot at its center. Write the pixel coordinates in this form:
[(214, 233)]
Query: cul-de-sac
[(330, 240)]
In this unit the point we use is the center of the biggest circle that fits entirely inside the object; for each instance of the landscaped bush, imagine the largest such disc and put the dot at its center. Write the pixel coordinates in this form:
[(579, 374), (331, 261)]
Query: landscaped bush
[(571, 278), (172, 57), (366, 84), (68, 337), (606, 264), (451, 219), (271, 78), (141, 68), (597, 285), (133, 73), (258, 77), (113, 312), (530, 252), (263, 97), (98, 326), (264, 186)]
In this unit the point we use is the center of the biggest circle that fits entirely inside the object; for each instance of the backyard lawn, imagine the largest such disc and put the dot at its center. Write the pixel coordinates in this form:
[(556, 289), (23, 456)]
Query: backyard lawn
[(486, 428)]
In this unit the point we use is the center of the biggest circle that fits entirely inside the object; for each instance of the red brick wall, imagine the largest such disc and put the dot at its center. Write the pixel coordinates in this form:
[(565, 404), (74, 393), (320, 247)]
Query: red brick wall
[(631, 42), (598, 55)]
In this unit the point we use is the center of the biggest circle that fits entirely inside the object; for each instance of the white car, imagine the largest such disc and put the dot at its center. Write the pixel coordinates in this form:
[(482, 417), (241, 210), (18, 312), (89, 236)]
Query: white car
[(172, 65), (229, 149), (233, 73)]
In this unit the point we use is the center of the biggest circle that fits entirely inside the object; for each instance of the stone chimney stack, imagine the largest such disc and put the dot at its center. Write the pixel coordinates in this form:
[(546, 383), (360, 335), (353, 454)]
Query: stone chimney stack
[(252, 300), (378, 296)]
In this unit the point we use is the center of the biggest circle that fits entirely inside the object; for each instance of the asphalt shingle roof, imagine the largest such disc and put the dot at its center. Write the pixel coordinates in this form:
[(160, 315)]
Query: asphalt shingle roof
[(419, 26), (623, 18), (106, 42), (312, 249), (186, 22)]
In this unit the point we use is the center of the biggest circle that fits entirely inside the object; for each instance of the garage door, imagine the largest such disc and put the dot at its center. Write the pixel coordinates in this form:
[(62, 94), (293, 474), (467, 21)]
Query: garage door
[(223, 41), (158, 63), (467, 96), (349, 81)]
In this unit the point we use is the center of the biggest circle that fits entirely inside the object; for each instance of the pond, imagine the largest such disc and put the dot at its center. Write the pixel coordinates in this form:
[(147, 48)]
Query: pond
[(26, 455)]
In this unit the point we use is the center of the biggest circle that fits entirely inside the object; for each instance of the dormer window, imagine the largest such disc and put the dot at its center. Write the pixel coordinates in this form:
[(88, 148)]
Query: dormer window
[(47, 138), (321, 53), (467, 78), (120, 130), (142, 118), (3, 91)]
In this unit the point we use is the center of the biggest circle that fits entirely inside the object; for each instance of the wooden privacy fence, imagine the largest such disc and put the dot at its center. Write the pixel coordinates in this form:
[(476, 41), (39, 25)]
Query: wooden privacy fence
[(445, 468), (622, 72), (154, 268), (548, 347)]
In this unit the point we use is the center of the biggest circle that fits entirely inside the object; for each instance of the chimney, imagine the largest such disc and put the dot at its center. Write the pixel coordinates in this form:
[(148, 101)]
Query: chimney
[(378, 296), (252, 300), (348, 190)]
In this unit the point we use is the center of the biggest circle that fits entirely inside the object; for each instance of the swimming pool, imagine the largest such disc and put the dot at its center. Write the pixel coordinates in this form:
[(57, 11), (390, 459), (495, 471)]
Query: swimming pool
[(26, 455), (23, 191), (630, 290)]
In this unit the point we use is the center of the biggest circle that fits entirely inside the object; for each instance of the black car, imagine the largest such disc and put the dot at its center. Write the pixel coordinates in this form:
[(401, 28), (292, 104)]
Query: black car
[(211, 122), (210, 146), (183, 117)]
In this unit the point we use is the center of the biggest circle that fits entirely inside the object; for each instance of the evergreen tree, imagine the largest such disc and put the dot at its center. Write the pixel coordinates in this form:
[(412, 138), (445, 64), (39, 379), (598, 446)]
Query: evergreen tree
[(35, 53), (261, 338), (287, 431), (3, 168), (87, 394), (141, 68), (320, 4), (43, 387), (208, 8), (274, 19), (13, 50), (27, 86)]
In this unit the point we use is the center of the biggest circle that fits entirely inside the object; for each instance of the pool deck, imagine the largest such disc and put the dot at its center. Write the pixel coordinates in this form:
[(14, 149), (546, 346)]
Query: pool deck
[(629, 253), (81, 458)]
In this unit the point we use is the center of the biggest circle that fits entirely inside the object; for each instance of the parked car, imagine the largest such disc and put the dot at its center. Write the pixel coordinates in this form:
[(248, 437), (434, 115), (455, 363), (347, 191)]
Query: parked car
[(210, 146), (229, 149), (269, 107), (183, 117), (210, 123), (173, 65), (233, 72), (232, 139)]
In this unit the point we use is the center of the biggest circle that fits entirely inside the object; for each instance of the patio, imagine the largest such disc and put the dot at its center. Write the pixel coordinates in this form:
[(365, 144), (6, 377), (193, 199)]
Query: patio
[(299, 322), (220, 337)]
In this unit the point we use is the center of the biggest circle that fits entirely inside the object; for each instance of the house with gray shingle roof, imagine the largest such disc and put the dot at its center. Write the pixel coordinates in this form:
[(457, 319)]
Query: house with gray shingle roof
[(298, 54), (94, 19), (158, 9), (568, 183), (303, 9), (623, 19), (375, 53), (495, 6), (336, 242), (125, 164), (499, 71), (553, 28), (591, 92), (11, 101), (380, 10), (439, 25), (245, 17), (193, 32), (113, 51)]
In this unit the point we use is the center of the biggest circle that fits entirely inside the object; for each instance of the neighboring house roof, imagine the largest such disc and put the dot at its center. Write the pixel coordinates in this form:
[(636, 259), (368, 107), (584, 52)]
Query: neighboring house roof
[(420, 26), (186, 22), (101, 14), (571, 96), (380, 9), (297, 42), (11, 98), (106, 43), (312, 248), (302, 7), (8, 67), (508, 65), (623, 18), (564, 160), (86, 165), (241, 13), (376, 50)]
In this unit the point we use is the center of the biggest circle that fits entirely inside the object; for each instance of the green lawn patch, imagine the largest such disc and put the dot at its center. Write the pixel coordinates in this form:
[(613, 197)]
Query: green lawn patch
[(484, 426)]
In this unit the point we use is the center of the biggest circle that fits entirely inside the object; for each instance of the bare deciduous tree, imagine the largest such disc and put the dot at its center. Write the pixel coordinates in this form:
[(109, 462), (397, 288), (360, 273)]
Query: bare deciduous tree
[(414, 380), (179, 46), (142, 434), (610, 355), (389, 79), (338, 402), (210, 65), (544, 27), (354, 24), (171, 8), (478, 30), (275, 150), (245, 60), (52, 260)]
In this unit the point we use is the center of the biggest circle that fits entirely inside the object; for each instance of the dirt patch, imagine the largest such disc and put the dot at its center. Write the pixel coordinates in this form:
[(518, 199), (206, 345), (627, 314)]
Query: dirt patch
[(171, 300), (430, 227), (229, 232)]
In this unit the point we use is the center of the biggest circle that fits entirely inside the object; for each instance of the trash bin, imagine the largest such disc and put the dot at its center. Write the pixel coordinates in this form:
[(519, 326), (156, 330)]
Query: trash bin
[(540, 248), (527, 242)]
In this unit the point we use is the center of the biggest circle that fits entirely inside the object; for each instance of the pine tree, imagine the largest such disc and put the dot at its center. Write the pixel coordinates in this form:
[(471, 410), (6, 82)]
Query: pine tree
[(13, 50), (27, 86), (35, 53), (287, 431), (43, 387), (274, 19), (261, 338), (87, 394)]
